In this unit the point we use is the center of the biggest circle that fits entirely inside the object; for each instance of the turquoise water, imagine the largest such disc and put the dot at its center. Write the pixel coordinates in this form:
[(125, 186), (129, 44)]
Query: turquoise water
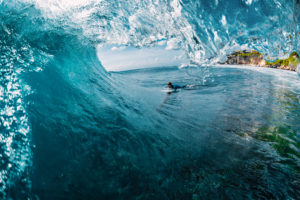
[(234, 135), (71, 130)]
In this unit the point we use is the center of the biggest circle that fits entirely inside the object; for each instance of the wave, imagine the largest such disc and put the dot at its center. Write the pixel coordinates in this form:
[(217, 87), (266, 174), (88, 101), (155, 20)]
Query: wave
[(49, 46), (206, 30)]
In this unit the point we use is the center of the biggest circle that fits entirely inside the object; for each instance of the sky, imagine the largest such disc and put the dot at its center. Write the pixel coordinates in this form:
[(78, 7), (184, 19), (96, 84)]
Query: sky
[(121, 58)]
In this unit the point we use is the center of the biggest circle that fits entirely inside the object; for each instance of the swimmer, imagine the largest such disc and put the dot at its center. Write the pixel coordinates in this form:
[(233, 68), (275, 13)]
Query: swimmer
[(175, 87)]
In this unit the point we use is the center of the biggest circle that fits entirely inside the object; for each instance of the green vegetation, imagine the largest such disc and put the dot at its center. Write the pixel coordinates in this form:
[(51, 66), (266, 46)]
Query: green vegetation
[(293, 59), (247, 54), (290, 63)]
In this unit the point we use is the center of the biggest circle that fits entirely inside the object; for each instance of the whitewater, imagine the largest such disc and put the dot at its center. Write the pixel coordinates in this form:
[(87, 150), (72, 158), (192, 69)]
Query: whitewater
[(85, 114)]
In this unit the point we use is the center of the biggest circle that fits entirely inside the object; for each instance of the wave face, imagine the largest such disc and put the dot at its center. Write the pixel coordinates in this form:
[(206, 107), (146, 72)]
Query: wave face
[(53, 88), (206, 30)]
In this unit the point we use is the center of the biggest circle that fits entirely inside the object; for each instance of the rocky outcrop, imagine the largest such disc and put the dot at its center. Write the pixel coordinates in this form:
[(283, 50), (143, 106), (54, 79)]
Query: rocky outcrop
[(244, 57), (256, 58)]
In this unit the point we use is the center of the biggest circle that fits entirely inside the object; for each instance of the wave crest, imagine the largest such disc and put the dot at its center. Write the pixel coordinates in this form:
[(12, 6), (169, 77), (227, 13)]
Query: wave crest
[(206, 30)]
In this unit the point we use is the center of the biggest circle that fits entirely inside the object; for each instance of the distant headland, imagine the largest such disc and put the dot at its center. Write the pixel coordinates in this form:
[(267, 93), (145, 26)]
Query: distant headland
[(256, 58)]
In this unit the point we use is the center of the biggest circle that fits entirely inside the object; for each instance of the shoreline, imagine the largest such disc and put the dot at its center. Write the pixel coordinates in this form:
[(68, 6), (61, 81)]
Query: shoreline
[(255, 58), (290, 76), (257, 66)]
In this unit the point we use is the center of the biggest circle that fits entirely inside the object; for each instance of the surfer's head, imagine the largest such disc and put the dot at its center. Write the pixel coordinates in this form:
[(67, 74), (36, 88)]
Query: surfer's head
[(170, 85)]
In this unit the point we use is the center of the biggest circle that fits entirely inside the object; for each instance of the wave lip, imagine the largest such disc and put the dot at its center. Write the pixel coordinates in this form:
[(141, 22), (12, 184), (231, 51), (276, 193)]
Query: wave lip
[(206, 31)]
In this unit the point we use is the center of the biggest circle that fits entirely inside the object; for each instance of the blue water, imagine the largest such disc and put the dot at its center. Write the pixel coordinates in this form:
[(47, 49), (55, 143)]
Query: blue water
[(71, 130), (202, 142)]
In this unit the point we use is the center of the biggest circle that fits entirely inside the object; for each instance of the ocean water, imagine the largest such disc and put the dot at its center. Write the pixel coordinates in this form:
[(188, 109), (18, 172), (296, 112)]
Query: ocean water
[(69, 129), (217, 139)]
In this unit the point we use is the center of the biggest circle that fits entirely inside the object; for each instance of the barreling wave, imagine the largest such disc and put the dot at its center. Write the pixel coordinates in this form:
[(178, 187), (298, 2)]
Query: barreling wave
[(61, 36), (206, 30)]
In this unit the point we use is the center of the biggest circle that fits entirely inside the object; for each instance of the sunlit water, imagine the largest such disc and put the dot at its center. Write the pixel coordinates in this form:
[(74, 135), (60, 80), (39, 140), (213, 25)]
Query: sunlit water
[(233, 135), (71, 130)]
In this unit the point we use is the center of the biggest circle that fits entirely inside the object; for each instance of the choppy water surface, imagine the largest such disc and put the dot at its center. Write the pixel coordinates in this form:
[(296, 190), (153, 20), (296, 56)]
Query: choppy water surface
[(71, 130), (234, 135)]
